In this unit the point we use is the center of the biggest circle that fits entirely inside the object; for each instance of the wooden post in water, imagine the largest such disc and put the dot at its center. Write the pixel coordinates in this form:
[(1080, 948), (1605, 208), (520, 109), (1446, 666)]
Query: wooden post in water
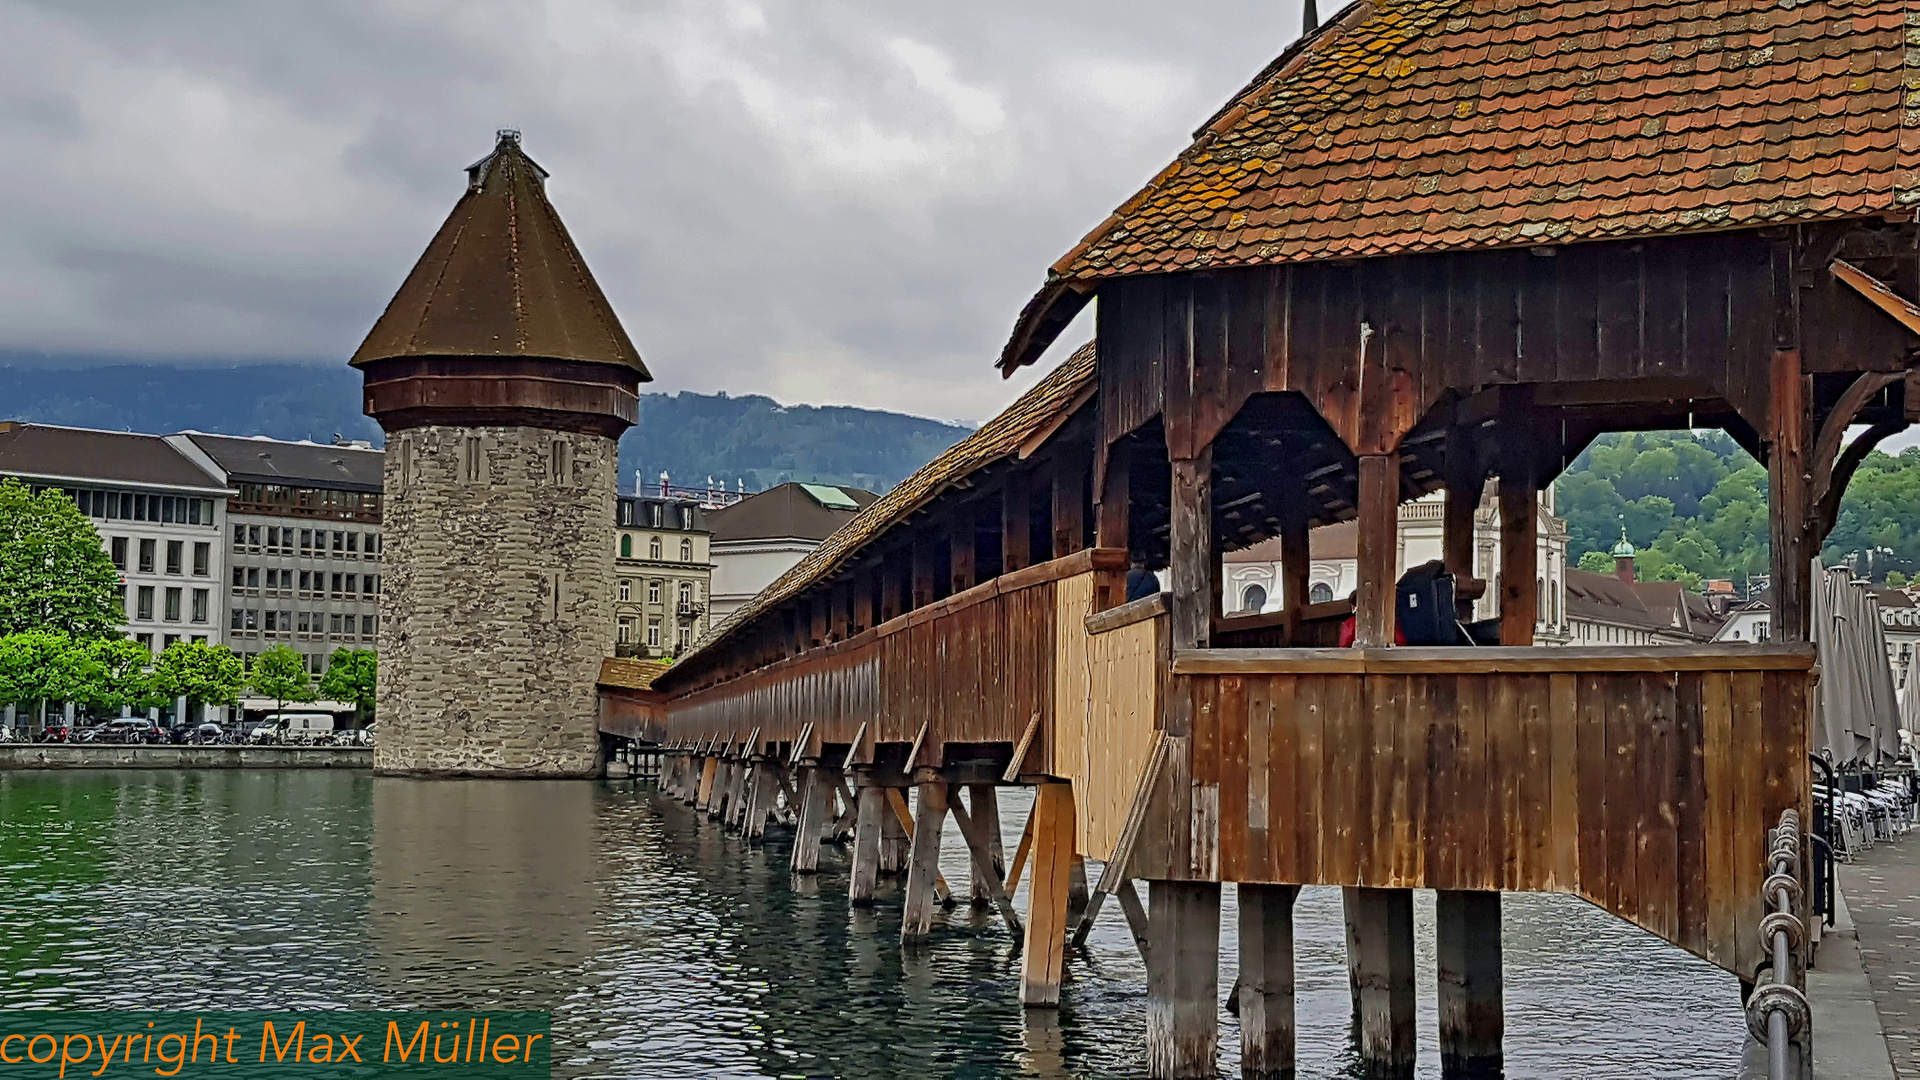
[(1051, 855), (766, 787), (816, 798), (923, 867), (1183, 978), (1468, 961), (1266, 981), (873, 810), (709, 768), (983, 807), (894, 846), (1380, 967)]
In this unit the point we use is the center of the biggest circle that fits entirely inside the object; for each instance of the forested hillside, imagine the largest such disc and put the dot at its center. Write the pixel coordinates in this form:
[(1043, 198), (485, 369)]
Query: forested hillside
[(689, 436), (1695, 505)]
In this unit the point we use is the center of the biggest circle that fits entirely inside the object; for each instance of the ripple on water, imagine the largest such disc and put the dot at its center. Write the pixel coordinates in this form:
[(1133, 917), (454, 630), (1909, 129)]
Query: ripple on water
[(666, 948)]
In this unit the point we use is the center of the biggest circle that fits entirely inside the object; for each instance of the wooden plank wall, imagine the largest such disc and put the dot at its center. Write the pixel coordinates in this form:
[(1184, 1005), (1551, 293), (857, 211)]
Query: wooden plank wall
[(1106, 712), (975, 668), (1647, 793)]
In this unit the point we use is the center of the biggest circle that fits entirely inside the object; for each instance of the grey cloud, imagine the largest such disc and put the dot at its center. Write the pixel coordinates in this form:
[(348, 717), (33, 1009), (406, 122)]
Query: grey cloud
[(833, 201)]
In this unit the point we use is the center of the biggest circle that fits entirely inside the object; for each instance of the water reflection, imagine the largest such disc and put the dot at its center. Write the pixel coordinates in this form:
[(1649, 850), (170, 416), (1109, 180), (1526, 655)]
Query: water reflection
[(666, 948)]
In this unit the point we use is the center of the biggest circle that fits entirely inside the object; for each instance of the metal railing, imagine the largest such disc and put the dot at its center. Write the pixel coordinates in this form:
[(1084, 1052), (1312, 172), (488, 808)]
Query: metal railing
[(1777, 1012)]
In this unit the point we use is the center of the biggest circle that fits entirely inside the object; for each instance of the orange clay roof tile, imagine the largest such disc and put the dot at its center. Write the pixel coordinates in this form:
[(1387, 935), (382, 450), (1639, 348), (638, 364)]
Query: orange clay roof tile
[(1476, 94)]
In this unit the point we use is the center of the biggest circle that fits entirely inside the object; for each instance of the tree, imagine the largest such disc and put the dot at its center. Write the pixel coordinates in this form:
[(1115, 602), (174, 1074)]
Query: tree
[(208, 674), (351, 677), (281, 674), (1896, 579), (53, 573), (1597, 562), (118, 675), (39, 666)]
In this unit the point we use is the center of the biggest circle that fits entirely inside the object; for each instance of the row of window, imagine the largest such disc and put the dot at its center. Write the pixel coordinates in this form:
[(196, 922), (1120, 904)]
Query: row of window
[(171, 599), (146, 640), (653, 633), (336, 624), (654, 514), (280, 540), (311, 501), (176, 556), (309, 582), (654, 549), (687, 591), (134, 506)]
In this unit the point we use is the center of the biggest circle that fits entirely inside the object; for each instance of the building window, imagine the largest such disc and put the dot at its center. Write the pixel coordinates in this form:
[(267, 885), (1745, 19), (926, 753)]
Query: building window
[(473, 461), (144, 603), (368, 584), (200, 597), (368, 623), (202, 559), (120, 595), (145, 640), (626, 546), (653, 514), (560, 464), (1253, 599), (686, 550), (170, 641), (147, 548), (173, 605), (686, 633), (336, 581), (653, 633), (373, 544), (626, 631), (339, 543), (238, 617), (686, 518), (653, 591), (176, 556), (626, 590), (1321, 593), (653, 549), (253, 536), (119, 549), (333, 623), (253, 577), (686, 593)]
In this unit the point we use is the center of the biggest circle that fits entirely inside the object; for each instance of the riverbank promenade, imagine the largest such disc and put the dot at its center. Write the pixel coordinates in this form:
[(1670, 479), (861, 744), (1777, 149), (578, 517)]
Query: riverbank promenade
[(1871, 958)]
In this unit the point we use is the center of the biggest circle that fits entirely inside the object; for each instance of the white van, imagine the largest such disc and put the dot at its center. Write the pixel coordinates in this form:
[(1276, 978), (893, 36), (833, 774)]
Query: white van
[(293, 727)]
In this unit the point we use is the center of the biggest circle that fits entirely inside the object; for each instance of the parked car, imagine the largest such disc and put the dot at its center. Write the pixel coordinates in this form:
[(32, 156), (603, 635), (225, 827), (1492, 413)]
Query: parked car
[(125, 729)]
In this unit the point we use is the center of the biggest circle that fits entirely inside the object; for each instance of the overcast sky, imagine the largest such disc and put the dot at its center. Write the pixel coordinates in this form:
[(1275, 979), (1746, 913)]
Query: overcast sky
[(835, 201)]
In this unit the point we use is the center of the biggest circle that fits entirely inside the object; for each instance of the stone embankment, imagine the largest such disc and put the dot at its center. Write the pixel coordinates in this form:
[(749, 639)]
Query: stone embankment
[(139, 756)]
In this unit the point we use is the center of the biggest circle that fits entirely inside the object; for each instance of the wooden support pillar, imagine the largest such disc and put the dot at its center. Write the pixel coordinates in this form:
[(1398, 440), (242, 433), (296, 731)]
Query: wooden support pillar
[(1051, 855), (1069, 515), (1183, 978), (983, 808), (766, 790), (1467, 956), (1112, 516), (961, 550), (1789, 504), (1016, 525), (1456, 517), (923, 867), (1519, 539), (894, 846), (872, 812), (1078, 895), (816, 806), (709, 769), (987, 871), (863, 599), (1379, 549), (818, 607), (924, 570), (1191, 542), (840, 618), (894, 588), (1296, 566), (1266, 981), (1380, 970)]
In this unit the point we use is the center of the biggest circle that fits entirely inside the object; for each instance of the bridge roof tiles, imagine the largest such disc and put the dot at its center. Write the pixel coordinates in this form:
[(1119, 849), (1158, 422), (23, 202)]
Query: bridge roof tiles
[(1424, 125)]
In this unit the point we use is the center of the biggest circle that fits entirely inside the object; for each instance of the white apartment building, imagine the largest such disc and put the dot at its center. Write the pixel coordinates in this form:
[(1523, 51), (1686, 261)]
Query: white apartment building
[(763, 535), (160, 515)]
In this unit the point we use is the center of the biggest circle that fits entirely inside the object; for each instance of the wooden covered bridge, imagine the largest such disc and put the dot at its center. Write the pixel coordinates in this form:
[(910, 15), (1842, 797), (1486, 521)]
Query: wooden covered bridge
[(1433, 244)]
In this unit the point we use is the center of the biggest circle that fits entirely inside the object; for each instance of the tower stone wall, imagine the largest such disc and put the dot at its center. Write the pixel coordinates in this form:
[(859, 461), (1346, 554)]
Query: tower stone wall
[(497, 604)]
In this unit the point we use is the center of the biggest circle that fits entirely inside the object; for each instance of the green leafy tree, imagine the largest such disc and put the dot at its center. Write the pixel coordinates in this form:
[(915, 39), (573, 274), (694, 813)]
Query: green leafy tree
[(202, 673), (39, 666), (119, 675), (53, 573), (1597, 562), (1896, 579), (281, 674), (351, 675)]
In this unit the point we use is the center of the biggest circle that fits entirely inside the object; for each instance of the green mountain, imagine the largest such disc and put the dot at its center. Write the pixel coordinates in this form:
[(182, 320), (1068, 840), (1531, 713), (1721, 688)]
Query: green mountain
[(689, 436)]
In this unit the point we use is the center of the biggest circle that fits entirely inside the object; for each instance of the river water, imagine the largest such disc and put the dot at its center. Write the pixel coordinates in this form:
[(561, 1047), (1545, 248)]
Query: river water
[(667, 948)]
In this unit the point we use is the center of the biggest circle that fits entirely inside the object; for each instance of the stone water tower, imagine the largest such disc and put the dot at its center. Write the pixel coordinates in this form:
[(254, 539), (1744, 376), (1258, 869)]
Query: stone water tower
[(502, 379)]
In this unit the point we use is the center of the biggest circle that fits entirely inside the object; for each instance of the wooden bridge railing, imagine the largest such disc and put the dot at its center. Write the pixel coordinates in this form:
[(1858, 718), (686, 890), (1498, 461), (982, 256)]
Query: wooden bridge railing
[(1642, 779)]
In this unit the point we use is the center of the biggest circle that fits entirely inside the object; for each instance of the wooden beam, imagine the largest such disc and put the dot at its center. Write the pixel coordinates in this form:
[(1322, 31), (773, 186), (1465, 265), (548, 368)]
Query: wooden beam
[(1380, 970), (1016, 531), (863, 597), (1379, 550), (1136, 913), (1296, 574), (1020, 750), (924, 570), (1044, 950), (1789, 504), (815, 799), (1021, 851), (986, 861), (1267, 1041), (866, 845), (985, 815), (1111, 519), (1519, 538), (904, 817), (961, 543), (1183, 978), (1464, 484), (1069, 475), (1878, 294), (1468, 966), (1191, 542), (1115, 874), (923, 867)]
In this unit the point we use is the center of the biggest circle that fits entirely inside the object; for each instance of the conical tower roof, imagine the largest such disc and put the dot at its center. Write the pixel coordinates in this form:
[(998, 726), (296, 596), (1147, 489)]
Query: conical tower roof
[(502, 279)]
